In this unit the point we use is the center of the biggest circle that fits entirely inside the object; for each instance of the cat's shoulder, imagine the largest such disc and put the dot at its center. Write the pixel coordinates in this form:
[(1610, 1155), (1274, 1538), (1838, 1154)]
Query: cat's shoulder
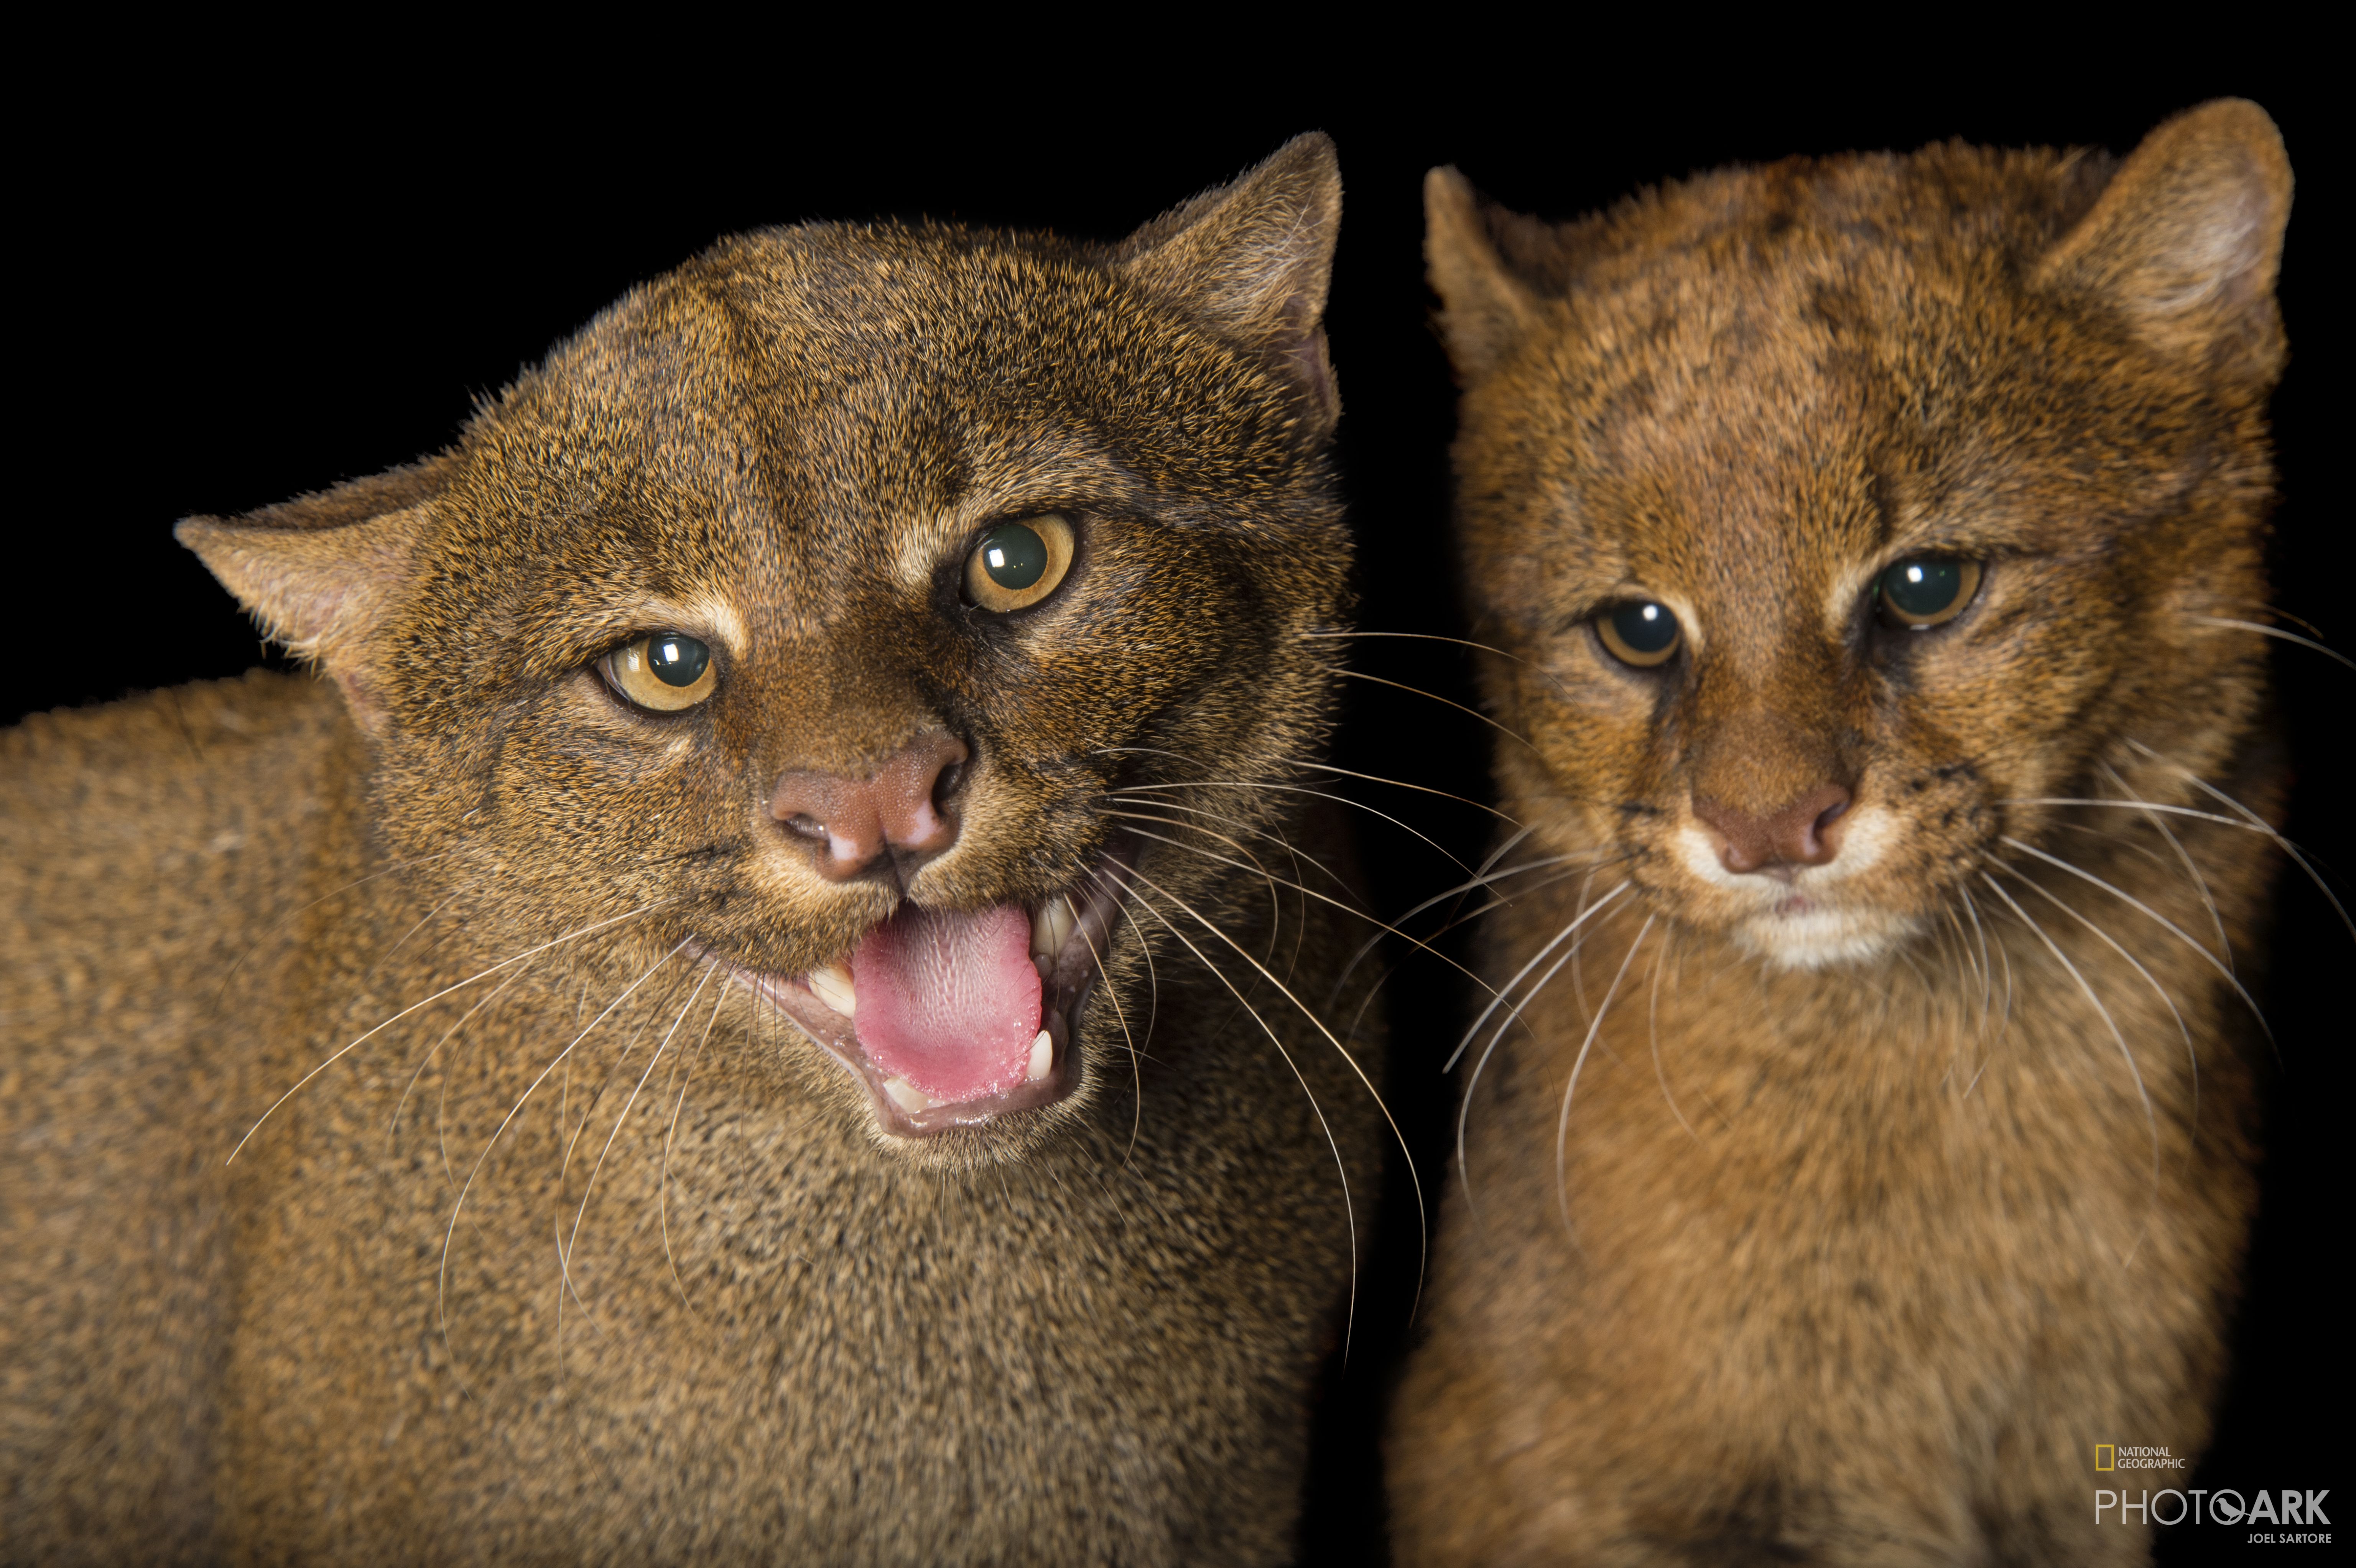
[(175, 731), (120, 801)]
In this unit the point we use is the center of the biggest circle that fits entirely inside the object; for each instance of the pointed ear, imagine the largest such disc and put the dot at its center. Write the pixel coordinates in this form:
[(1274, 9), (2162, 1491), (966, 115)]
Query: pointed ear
[(1252, 261), (319, 571), (2186, 239), (1485, 310)]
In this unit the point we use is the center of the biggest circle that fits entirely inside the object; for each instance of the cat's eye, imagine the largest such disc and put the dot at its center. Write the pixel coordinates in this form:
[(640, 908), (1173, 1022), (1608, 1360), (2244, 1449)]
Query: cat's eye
[(667, 672), (1018, 564), (1640, 632), (1925, 591)]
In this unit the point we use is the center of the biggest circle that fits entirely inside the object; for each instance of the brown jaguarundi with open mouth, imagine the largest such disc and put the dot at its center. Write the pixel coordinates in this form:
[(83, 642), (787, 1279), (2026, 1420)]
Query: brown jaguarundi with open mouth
[(748, 1006)]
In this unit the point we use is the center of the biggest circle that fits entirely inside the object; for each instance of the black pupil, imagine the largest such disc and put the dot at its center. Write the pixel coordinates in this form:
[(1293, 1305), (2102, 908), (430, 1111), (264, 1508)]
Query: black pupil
[(1014, 556), (676, 660), (1922, 587), (1647, 627)]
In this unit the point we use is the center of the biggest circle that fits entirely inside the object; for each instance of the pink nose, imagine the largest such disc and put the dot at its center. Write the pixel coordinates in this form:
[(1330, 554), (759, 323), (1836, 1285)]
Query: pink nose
[(1805, 832), (897, 810)]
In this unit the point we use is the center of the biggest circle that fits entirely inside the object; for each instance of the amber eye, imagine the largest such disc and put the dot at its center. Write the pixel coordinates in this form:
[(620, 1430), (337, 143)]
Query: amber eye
[(1925, 591), (666, 672), (1640, 632), (1018, 564)]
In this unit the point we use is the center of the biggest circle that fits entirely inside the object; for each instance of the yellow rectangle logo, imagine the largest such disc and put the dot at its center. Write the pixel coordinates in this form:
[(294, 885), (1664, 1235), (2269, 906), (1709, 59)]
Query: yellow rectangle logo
[(2104, 1453)]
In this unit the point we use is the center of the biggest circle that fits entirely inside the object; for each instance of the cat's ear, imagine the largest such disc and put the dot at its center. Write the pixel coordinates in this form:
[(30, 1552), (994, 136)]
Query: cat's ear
[(318, 572), (1252, 260), (2186, 239), (1485, 310)]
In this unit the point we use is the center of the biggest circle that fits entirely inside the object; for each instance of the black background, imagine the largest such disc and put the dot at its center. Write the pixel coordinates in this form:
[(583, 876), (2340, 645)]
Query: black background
[(236, 289)]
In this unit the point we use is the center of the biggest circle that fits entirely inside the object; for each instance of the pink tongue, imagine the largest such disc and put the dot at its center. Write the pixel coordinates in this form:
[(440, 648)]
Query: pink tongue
[(949, 1002)]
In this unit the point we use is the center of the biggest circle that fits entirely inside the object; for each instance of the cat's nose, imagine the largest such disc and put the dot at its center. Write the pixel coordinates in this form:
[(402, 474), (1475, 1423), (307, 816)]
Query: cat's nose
[(1803, 831), (900, 812)]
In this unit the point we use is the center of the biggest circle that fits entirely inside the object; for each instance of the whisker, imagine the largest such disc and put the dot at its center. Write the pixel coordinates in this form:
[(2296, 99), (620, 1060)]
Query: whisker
[(441, 1295), (1295, 851), (1319, 1025), (2150, 1120), (1309, 893), (1288, 788), (392, 1125), (405, 1012), (2200, 883), (1481, 1063), (1349, 1209), (565, 1249), (2262, 825), (284, 920), (1508, 989), (662, 1178), (1403, 686), (1136, 1064), (1403, 784), (1562, 1123), (2173, 928), (2191, 1055), (1460, 642), (1652, 1026), (2280, 636), (1275, 909)]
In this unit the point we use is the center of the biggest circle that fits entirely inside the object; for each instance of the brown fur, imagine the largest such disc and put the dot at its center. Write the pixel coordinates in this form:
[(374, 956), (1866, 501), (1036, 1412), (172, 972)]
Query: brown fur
[(770, 1332), (1849, 1248)]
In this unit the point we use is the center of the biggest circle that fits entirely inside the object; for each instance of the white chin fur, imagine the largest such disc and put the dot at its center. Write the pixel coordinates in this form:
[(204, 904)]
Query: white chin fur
[(1820, 938)]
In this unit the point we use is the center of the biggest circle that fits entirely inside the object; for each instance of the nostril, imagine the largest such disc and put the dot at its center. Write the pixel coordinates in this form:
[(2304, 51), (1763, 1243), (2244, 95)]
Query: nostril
[(806, 826), (951, 777)]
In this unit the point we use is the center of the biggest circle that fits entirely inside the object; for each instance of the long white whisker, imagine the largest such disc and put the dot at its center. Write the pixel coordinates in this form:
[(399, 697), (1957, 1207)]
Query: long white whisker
[(2151, 1119), (1293, 790), (392, 1126), (1508, 989), (1481, 1063), (2262, 825), (662, 1179), (2279, 635), (1562, 1123), (2200, 883), (2191, 1055), (441, 1291), (1349, 1209), (710, 968), (1443, 702), (1286, 844), (2174, 929), (1460, 642), (1306, 893), (1403, 784), (1319, 1025), (1136, 1063), (1275, 909), (405, 1012), (1652, 1026)]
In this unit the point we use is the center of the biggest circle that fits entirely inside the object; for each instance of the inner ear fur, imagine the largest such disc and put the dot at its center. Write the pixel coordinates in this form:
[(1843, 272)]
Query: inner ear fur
[(319, 571), (2187, 237), (1486, 308), (1253, 259)]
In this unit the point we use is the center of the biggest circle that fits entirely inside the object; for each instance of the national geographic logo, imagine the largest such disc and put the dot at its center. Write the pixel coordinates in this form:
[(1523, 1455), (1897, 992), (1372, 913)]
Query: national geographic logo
[(2136, 1456)]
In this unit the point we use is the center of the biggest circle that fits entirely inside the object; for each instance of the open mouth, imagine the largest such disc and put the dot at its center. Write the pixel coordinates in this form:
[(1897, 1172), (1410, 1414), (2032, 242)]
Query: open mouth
[(953, 1019)]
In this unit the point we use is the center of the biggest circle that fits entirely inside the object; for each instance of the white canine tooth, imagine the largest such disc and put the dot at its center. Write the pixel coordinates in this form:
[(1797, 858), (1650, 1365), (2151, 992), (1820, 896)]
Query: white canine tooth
[(906, 1095), (831, 984), (1043, 1057), (1051, 927)]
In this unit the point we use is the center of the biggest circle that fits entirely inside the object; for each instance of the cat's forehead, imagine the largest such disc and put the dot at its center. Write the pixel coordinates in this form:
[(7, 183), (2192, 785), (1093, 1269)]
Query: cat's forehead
[(802, 406)]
